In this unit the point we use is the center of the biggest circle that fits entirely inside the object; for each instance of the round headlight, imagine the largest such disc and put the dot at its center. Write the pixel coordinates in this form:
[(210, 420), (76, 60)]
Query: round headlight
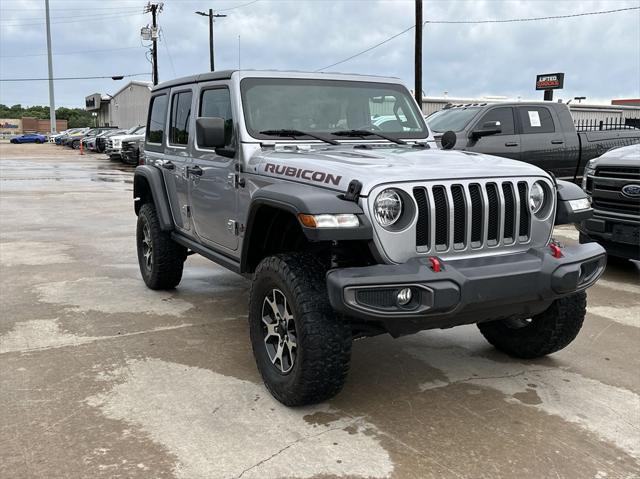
[(387, 207), (536, 197)]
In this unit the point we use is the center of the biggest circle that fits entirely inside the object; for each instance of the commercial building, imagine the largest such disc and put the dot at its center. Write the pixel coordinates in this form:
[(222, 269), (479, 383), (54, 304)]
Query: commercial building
[(125, 108), (16, 126)]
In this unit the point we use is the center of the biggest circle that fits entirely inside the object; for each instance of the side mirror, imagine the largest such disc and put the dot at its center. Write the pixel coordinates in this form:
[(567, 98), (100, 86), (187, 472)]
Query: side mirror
[(210, 132), (488, 128), (448, 140)]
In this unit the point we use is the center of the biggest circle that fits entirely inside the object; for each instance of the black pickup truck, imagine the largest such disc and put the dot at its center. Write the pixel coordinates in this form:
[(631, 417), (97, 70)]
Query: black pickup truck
[(541, 133)]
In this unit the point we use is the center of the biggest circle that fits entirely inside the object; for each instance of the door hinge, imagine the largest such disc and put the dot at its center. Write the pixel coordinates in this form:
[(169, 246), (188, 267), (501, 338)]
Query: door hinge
[(232, 226), (187, 211), (235, 180)]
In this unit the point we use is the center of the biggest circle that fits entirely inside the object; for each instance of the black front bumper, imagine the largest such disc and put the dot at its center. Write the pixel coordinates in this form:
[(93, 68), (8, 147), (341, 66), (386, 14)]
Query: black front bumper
[(620, 236), (465, 290)]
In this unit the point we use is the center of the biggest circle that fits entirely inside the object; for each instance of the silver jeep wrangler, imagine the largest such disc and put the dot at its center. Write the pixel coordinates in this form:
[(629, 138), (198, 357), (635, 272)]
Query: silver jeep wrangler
[(352, 226)]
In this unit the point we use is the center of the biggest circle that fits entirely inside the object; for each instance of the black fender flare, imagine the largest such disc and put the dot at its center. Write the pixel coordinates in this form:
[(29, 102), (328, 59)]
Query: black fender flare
[(302, 199), (150, 178), (567, 191)]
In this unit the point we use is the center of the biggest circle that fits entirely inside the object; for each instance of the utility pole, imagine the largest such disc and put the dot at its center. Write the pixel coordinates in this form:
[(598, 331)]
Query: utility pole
[(152, 34), (211, 16), (211, 60), (418, 54), (52, 101), (154, 38)]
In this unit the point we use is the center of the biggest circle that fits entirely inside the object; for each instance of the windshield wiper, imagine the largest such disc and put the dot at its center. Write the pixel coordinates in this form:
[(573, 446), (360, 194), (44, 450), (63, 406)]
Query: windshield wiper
[(363, 133), (296, 133)]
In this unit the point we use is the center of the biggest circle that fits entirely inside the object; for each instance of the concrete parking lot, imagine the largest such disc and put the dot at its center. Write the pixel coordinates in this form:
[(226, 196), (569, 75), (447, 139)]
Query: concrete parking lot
[(101, 377)]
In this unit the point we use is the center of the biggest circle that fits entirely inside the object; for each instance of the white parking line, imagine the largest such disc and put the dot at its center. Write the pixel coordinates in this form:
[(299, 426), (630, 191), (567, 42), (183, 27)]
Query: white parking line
[(629, 316), (619, 286), (221, 426), (611, 412)]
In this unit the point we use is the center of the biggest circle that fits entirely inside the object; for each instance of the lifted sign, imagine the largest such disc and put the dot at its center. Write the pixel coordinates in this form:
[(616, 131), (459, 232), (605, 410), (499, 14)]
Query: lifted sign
[(550, 81)]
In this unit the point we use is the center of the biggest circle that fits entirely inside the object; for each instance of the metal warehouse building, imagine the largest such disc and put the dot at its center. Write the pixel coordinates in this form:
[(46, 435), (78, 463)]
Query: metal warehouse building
[(124, 109)]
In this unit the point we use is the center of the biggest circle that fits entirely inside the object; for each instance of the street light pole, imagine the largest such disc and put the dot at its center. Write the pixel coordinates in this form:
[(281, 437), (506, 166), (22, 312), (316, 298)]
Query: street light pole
[(52, 101), (211, 16)]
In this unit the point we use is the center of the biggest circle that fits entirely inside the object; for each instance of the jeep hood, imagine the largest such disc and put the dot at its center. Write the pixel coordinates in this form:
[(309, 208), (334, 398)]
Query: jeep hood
[(335, 167)]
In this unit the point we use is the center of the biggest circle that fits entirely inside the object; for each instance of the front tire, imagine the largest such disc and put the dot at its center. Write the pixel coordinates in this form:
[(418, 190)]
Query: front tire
[(161, 259), (546, 333), (302, 348)]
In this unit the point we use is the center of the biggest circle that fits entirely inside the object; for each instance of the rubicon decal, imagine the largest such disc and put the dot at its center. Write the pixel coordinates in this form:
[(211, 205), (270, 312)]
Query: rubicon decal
[(311, 175)]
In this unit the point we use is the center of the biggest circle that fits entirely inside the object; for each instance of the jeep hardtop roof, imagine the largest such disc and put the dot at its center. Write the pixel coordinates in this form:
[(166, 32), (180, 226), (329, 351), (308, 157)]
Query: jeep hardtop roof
[(226, 75)]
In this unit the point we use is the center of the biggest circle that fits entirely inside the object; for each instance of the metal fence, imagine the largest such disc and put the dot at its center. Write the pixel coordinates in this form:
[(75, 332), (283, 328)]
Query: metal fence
[(607, 124)]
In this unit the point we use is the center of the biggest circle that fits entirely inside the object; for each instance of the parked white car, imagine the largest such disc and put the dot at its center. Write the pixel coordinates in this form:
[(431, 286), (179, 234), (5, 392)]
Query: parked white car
[(114, 143)]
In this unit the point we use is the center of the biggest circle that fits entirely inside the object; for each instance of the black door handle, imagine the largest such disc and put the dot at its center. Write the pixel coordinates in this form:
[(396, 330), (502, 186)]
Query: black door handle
[(511, 143), (557, 142), (196, 171), (167, 165)]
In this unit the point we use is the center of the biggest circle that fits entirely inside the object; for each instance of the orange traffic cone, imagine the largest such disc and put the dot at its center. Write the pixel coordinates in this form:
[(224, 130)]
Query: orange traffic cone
[(81, 148)]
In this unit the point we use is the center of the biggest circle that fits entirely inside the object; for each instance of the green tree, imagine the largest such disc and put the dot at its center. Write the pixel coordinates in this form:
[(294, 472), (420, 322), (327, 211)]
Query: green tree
[(76, 117)]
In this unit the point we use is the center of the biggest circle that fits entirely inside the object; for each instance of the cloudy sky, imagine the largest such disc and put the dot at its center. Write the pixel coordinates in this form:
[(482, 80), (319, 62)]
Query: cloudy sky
[(599, 54)]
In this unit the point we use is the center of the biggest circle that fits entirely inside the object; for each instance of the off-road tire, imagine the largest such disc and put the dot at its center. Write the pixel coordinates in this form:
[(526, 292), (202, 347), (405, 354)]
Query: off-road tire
[(167, 256), (547, 333), (323, 338)]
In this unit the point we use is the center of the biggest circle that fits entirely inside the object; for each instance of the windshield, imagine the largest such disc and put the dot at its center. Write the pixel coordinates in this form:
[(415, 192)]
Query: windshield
[(454, 119), (326, 106)]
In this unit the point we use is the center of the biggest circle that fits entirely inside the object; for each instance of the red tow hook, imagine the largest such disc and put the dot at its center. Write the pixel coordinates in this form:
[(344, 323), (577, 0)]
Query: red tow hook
[(435, 263), (556, 250)]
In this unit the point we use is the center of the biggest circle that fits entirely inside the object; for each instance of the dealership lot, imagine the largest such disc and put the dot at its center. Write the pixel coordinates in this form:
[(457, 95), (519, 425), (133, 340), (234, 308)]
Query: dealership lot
[(101, 377)]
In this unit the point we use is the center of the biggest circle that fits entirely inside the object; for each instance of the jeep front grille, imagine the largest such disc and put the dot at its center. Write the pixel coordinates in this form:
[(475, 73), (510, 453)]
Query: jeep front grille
[(472, 215)]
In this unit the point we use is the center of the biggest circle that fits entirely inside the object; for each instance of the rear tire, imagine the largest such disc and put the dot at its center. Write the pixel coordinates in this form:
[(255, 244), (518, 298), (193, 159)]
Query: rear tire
[(546, 333), (302, 348), (161, 259)]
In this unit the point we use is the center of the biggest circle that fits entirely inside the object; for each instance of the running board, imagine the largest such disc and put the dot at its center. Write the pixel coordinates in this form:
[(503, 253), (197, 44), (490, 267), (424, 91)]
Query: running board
[(224, 261)]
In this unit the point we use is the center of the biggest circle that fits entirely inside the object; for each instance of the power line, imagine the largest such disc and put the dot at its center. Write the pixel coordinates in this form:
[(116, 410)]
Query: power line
[(533, 19), (76, 19), (112, 77), (36, 10), (237, 6), (368, 49), (70, 53), (467, 22), (166, 47)]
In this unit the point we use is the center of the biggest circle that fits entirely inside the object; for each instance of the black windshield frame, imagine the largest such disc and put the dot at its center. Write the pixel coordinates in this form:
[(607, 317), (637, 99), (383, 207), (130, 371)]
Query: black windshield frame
[(396, 88)]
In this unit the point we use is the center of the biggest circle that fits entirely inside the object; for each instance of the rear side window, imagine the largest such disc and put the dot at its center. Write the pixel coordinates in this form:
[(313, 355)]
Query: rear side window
[(536, 119), (157, 119), (217, 103), (180, 115), (504, 116)]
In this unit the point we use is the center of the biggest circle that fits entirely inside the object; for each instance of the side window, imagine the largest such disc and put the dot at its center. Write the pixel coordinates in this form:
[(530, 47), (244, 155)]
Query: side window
[(157, 119), (504, 116), (536, 119), (217, 103), (180, 116)]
